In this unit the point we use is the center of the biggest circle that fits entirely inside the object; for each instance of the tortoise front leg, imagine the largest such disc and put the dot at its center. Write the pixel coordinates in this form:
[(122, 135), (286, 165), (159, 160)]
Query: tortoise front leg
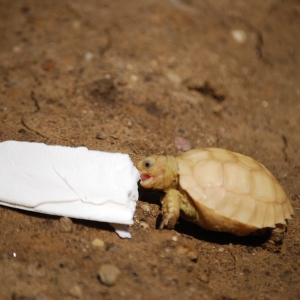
[(170, 209), (172, 204)]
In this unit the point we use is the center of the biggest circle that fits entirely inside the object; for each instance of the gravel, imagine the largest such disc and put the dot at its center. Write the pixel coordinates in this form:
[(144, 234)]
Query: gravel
[(65, 225), (108, 274)]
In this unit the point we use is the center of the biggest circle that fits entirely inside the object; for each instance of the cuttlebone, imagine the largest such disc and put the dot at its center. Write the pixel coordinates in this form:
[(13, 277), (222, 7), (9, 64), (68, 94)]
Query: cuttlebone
[(67, 181)]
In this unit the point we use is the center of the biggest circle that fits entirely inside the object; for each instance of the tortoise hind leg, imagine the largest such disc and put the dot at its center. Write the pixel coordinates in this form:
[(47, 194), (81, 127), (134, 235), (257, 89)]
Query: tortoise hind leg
[(277, 234)]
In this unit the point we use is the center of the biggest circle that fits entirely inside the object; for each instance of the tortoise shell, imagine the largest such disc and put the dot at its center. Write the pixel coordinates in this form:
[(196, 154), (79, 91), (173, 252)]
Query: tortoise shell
[(232, 192)]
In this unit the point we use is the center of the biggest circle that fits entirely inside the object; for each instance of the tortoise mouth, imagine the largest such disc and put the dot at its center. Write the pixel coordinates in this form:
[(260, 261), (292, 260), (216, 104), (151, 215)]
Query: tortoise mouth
[(145, 177), (147, 181)]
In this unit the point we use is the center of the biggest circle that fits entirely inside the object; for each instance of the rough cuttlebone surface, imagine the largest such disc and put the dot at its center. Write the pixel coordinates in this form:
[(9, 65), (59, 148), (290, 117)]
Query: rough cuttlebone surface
[(73, 182)]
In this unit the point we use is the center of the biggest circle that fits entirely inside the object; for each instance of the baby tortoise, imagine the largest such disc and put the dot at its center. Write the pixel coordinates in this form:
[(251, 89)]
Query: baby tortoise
[(219, 190)]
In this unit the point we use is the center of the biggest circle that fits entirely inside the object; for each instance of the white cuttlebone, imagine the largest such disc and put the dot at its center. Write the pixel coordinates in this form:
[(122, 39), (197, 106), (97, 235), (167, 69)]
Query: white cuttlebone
[(72, 182)]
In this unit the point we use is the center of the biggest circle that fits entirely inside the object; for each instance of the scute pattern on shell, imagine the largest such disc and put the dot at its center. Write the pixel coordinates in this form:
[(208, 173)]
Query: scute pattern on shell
[(232, 192)]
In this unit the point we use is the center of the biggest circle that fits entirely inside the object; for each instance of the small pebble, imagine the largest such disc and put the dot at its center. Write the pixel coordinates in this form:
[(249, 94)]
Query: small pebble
[(100, 136), (98, 243), (154, 63), (217, 109), (174, 78), (182, 144), (65, 224), (174, 238), (76, 24), (144, 225), (88, 56), (203, 277), (134, 78), (181, 250), (75, 291), (16, 49), (239, 36), (190, 253), (221, 249), (145, 207), (121, 82), (108, 274)]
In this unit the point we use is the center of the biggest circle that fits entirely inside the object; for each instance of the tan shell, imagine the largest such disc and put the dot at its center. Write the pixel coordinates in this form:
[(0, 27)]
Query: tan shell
[(232, 192)]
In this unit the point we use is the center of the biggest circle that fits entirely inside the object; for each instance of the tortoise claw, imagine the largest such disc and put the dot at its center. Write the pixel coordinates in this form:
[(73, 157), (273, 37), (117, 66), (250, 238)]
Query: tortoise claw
[(169, 221)]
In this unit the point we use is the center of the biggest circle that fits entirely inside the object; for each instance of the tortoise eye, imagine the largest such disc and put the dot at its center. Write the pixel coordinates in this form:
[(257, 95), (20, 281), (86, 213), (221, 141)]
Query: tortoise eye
[(148, 164)]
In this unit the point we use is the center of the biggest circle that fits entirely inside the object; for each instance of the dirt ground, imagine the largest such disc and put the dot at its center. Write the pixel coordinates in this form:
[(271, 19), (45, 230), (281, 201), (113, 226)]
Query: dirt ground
[(130, 76)]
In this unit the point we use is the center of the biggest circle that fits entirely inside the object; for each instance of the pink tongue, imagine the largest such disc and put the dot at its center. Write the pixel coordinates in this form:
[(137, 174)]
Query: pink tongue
[(145, 177)]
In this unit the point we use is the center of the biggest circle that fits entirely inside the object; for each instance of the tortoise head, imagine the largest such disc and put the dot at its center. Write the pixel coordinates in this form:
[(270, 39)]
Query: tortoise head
[(158, 172)]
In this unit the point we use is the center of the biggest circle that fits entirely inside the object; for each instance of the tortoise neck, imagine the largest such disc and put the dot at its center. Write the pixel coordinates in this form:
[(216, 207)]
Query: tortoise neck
[(171, 178)]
